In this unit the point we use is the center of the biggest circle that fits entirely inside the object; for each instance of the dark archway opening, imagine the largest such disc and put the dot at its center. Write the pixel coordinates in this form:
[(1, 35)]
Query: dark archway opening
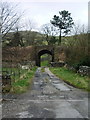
[(45, 60), (44, 52)]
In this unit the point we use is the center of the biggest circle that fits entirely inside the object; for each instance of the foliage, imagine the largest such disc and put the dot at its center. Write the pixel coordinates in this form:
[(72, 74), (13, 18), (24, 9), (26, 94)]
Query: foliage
[(46, 59), (23, 38), (15, 73), (53, 40), (64, 22), (72, 78), (49, 32), (17, 40), (21, 85), (77, 50), (30, 37), (45, 63)]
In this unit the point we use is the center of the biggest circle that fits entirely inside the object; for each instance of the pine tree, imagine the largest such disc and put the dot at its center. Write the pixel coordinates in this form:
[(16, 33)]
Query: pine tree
[(64, 22)]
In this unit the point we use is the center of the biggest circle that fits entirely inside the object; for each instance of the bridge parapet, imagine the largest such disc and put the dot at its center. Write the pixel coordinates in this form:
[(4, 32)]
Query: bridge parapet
[(32, 53)]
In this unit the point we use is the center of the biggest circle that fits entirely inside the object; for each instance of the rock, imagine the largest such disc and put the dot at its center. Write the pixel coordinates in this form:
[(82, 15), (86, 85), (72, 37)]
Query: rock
[(6, 88), (25, 67), (84, 70), (57, 64)]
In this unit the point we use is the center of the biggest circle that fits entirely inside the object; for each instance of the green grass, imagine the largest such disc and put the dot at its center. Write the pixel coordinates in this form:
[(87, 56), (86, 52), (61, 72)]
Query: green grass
[(42, 69), (45, 63), (72, 78), (21, 85), (15, 73)]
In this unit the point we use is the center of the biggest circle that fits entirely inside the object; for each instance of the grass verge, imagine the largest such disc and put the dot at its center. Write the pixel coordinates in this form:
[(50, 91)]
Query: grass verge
[(21, 85), (45, 63), (72, 78)]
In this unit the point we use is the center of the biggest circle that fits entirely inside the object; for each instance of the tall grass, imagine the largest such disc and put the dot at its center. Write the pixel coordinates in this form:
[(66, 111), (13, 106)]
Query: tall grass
[(72, 78), (21, 85), (77, 50), (21, 79)]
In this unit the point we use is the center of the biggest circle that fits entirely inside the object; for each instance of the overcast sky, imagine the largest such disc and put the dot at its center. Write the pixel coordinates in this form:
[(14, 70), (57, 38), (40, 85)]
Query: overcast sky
[(42, 11)]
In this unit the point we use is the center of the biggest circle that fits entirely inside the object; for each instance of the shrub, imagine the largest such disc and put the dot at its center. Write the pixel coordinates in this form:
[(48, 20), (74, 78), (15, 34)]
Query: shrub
[(77, 52)]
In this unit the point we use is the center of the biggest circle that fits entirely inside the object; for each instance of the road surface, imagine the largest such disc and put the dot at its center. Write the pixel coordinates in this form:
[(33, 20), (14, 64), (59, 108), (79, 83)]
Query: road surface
[(49, 97)]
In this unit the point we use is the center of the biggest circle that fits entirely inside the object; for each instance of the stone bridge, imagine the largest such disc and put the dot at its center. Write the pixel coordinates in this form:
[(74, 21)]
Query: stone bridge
[(40, 50), (33, 53)]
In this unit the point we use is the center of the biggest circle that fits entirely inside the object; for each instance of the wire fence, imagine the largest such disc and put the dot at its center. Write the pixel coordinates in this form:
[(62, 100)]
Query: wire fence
[(15, 70)]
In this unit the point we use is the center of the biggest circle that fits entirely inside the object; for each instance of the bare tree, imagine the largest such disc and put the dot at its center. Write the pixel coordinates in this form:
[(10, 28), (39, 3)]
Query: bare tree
[(78, 47), (9, 17), (78, 29), (29, 25), (30, 35), (48, 31)]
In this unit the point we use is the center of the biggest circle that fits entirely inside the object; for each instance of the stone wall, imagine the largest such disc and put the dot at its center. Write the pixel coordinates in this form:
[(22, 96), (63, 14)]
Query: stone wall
[(16, 55), (59, 54), (84, 70), (57, 64)]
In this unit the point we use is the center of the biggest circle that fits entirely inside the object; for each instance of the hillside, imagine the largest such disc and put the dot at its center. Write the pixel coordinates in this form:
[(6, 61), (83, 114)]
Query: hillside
[(27, 38)]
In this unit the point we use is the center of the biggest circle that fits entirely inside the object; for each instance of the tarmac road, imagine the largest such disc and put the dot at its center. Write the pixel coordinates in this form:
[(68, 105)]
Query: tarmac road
[(49, 97)]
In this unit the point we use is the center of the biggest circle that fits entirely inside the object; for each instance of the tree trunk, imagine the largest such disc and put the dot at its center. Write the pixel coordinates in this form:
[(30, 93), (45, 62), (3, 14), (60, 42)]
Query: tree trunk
[(47, 39), (59, 38)]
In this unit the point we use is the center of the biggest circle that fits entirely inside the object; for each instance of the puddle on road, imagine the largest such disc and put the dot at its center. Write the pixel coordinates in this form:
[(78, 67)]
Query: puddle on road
[(42, 96), (61, 87), (36, 83), (56, 81), (51, 76), (25, 114), (57, 97), (48, 109)]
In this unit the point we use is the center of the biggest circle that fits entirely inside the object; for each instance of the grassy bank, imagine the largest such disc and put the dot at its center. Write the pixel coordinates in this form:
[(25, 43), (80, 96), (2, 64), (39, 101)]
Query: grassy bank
[(21, 84), (72, 78)]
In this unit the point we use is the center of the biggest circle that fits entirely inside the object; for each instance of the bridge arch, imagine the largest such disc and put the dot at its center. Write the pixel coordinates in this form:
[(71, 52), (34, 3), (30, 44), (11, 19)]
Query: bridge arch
[(42, 52)]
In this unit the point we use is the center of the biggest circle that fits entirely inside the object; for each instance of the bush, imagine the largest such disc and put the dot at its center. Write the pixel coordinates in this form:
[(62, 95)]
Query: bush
[(83, 62), (77, 53)]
